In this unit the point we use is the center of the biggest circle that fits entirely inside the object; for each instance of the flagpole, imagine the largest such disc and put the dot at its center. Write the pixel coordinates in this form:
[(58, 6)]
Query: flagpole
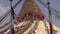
[(50, 17), (11, 14)]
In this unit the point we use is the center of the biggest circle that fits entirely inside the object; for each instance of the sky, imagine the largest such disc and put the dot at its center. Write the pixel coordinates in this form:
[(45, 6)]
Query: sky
[(5, 6)]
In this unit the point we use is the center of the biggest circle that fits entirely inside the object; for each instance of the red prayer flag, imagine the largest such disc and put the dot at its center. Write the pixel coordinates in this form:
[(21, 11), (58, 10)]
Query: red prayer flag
[(30, 14), (51, 30), (27, 14), (23, 17), (12, 31), (38, 16)]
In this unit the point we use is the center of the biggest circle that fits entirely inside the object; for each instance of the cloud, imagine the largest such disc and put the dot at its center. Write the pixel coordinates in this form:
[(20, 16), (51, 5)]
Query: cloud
[(3, 9)]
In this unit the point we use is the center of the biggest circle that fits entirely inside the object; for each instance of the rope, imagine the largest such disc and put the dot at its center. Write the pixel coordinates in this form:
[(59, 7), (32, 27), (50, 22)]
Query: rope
[(45, 5), (5, 18), (50, 17), (4, 15)]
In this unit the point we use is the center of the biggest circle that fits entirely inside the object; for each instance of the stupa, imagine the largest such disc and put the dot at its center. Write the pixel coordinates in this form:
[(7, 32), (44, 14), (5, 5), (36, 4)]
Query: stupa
[(30, 20)]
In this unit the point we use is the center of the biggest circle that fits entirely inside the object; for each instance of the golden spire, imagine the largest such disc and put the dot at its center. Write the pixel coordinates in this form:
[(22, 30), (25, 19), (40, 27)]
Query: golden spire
[(30, 5)]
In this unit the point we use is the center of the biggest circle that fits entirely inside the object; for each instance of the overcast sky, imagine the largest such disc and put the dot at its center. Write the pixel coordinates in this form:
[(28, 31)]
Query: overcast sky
[(4, 6)]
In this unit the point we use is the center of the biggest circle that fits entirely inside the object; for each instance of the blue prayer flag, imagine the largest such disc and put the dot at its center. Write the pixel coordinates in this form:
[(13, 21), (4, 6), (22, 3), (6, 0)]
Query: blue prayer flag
[(12, 12)]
